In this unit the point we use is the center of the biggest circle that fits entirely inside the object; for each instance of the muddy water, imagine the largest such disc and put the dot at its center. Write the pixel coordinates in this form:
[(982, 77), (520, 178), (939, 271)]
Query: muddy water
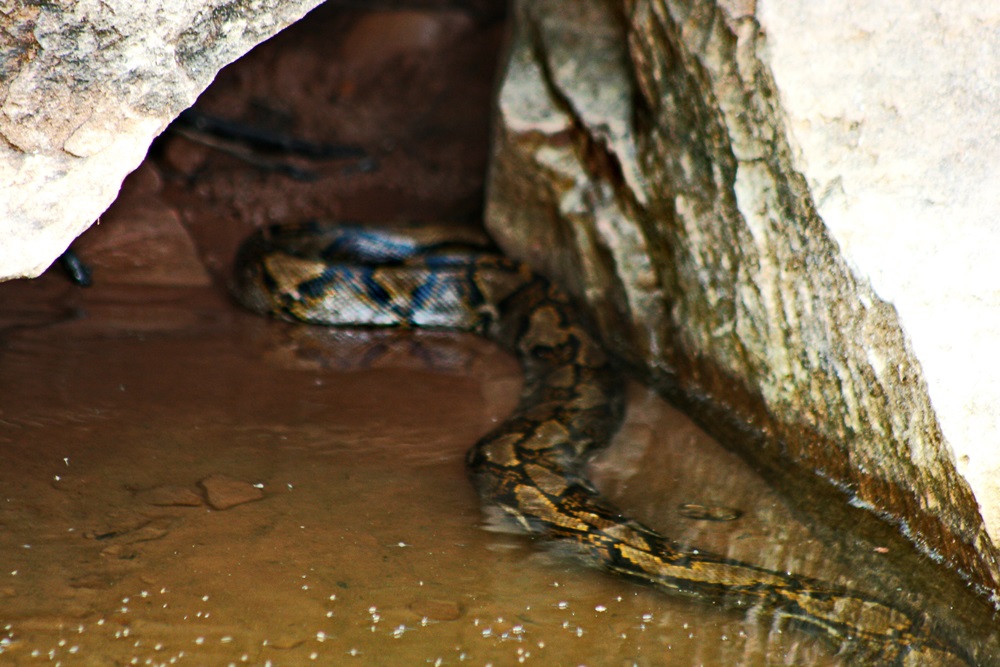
[(120, 405), (184, 483)]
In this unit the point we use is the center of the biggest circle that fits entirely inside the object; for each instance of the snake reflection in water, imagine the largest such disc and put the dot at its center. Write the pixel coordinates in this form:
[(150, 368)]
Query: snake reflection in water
[(530, 466)]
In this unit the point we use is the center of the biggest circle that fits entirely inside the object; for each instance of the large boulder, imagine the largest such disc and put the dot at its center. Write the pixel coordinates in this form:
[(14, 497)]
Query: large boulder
[(85, 87), (779, 221)]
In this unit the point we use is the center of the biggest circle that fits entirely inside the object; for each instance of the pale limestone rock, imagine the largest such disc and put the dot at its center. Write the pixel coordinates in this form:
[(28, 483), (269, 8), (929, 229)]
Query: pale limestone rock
[(895, 126), (643, 159), (84, 89)]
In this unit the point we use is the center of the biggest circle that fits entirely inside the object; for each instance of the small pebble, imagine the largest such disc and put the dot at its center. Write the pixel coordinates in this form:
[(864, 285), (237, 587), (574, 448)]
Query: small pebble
[(223, 492)]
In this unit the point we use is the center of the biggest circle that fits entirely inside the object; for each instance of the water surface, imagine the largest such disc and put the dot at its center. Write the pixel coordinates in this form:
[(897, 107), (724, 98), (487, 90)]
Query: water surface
[(367, 546)]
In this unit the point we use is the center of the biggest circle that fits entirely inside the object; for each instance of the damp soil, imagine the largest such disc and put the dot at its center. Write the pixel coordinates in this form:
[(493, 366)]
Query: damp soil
[(187, 483)]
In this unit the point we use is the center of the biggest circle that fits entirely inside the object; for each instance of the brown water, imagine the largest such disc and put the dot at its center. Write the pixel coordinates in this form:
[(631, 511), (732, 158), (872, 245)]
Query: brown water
[(120, 404), (368, 546)]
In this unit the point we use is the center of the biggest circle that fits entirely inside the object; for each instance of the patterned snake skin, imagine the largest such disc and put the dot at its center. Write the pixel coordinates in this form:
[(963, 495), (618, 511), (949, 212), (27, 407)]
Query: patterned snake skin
[(531, 465)]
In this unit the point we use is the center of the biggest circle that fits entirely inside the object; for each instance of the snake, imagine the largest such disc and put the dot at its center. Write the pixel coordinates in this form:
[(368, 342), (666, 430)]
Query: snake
[(532, 465)]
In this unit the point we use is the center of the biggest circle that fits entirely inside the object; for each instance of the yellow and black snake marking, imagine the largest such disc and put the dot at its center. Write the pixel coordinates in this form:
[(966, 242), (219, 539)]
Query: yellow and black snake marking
[(531, 464)]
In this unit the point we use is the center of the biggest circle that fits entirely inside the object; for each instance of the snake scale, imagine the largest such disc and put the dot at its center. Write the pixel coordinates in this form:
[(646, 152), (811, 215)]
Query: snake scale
[(531, 465)]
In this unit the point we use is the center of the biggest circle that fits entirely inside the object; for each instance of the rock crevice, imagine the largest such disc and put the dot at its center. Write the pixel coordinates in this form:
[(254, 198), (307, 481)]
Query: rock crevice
[(644, 141)]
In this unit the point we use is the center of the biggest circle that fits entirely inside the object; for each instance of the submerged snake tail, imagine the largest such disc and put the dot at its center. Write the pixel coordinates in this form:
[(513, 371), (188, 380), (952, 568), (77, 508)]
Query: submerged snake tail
[(532, 464)]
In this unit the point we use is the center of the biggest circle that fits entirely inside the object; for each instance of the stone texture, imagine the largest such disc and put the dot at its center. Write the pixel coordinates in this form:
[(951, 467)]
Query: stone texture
[(143, 241), (894, 125), (643, 159), (223, 492), (85, 87)]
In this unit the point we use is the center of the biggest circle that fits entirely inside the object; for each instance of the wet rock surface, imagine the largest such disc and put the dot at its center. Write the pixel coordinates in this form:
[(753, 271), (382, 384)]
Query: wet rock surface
[(224, 492), (645, 145)]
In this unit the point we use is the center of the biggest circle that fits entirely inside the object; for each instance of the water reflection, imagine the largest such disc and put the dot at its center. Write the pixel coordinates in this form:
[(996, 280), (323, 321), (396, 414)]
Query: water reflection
[(367, 546)]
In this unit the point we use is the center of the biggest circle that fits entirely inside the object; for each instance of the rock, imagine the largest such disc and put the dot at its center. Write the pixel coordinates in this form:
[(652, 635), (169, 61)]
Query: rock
[(171, 496), (99, 580), (85, 87), (644, 160), (896, 132), (223, 492), (142, 240), (115, 524), (157, 528)]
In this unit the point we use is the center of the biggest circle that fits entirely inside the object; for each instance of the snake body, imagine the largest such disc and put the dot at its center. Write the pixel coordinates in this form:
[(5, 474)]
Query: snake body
[(531, 465)]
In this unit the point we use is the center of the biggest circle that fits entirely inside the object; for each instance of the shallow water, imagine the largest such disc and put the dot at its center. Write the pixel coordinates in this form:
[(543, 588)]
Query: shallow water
[(367, 546)]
